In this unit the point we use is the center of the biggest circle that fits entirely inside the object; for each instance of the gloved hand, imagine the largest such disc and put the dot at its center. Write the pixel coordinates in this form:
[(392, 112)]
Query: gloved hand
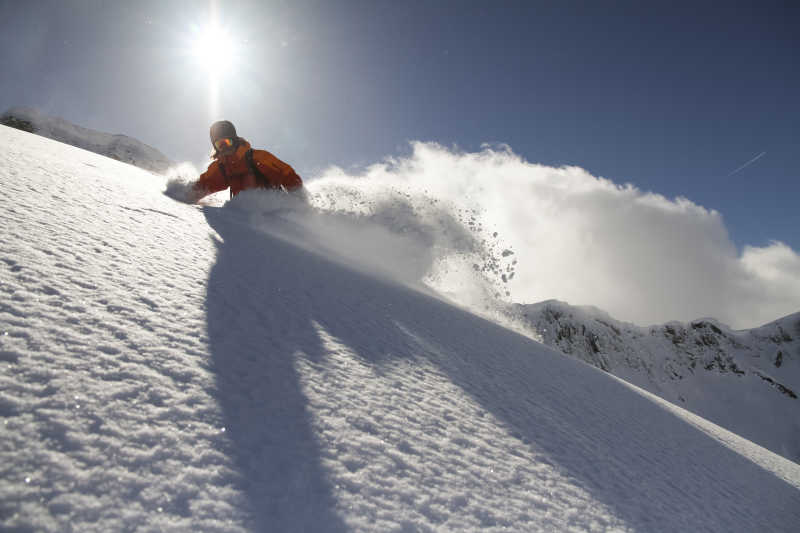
[(184, 191)]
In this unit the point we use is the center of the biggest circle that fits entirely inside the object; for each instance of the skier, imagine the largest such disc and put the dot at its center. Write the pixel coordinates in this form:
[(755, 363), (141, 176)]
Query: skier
[(239, 167)]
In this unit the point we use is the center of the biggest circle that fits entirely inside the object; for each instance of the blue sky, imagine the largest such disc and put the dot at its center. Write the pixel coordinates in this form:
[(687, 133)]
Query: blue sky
[(671, 97)]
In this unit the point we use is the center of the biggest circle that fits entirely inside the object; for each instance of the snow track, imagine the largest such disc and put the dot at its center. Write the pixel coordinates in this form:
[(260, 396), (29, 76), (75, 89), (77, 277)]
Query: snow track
[(171, 368)]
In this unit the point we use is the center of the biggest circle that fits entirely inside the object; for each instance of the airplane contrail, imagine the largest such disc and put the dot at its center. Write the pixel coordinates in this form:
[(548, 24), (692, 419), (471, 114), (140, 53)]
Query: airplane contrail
[(756, 158)]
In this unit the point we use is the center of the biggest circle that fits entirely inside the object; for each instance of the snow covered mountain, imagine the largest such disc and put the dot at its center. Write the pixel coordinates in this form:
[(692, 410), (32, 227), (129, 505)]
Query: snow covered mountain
[(746, 381), (169, 367), (119, 147)]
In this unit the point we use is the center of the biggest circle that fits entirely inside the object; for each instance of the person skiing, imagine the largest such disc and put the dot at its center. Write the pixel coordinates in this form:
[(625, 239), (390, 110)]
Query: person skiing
[(238, 166)]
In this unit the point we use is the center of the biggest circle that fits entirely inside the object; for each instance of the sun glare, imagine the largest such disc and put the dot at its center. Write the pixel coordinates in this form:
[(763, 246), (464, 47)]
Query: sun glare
[(214, 48)]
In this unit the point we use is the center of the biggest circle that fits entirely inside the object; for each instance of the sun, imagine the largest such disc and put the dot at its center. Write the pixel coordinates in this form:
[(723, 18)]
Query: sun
[(214, 47), (215, 50)]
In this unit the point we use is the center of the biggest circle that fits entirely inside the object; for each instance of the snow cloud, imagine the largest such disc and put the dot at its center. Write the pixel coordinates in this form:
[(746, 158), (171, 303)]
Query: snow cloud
[(563, 233), (179, 182)]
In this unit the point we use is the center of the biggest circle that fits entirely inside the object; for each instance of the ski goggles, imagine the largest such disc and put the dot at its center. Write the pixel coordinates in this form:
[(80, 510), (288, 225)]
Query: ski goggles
[(223, 144)]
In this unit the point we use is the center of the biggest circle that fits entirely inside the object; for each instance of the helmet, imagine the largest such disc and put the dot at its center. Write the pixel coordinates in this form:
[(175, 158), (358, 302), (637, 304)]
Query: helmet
[(222, 129)]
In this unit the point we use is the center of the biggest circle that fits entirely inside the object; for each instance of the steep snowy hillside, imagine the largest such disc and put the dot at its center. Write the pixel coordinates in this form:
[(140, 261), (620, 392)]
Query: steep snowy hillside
[(183, 368), (746, 381), (119, 147)]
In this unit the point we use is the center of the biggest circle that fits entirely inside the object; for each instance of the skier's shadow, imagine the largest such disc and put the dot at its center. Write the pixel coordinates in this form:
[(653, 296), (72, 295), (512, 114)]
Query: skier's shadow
[(266, 300), (253, 338)]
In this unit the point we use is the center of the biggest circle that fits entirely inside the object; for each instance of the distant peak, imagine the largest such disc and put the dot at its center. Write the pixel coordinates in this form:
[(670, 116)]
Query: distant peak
[(114, 145)]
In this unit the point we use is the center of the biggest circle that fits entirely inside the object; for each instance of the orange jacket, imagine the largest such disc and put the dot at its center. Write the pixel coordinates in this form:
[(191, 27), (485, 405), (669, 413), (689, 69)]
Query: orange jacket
[(232, 170)]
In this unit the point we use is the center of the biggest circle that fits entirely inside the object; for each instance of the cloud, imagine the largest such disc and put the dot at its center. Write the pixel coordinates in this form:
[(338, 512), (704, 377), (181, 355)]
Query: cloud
[(772, 278), (576, 237)]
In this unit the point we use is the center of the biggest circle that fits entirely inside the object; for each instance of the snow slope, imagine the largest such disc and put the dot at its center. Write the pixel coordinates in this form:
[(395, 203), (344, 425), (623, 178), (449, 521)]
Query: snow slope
[(746, 381), (119, 147), (168, 367)]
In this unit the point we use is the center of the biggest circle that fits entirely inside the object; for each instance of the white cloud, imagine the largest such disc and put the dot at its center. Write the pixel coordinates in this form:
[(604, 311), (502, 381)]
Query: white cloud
[(580, 238)]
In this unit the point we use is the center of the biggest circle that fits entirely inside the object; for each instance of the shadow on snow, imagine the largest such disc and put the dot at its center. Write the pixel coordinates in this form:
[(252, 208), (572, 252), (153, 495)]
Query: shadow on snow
[(265, 298)]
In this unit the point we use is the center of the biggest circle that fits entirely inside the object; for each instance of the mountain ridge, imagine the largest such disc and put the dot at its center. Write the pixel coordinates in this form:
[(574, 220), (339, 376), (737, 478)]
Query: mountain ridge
[(682, 361), (116, 146)]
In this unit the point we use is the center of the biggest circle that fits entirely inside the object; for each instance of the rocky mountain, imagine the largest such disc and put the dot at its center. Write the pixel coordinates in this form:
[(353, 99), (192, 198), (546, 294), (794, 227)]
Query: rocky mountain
[(746, 381), (119, 147)]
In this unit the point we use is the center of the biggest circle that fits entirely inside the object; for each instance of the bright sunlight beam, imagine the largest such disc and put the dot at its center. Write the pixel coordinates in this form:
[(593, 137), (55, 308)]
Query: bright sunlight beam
[(214, 48)]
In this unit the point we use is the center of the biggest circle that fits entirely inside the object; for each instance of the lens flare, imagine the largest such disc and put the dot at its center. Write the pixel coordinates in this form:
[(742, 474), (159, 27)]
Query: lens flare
[(215, 49)]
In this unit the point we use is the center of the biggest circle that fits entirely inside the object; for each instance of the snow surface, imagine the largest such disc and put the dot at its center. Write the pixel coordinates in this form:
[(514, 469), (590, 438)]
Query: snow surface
[(119, 147), (168, 367)]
